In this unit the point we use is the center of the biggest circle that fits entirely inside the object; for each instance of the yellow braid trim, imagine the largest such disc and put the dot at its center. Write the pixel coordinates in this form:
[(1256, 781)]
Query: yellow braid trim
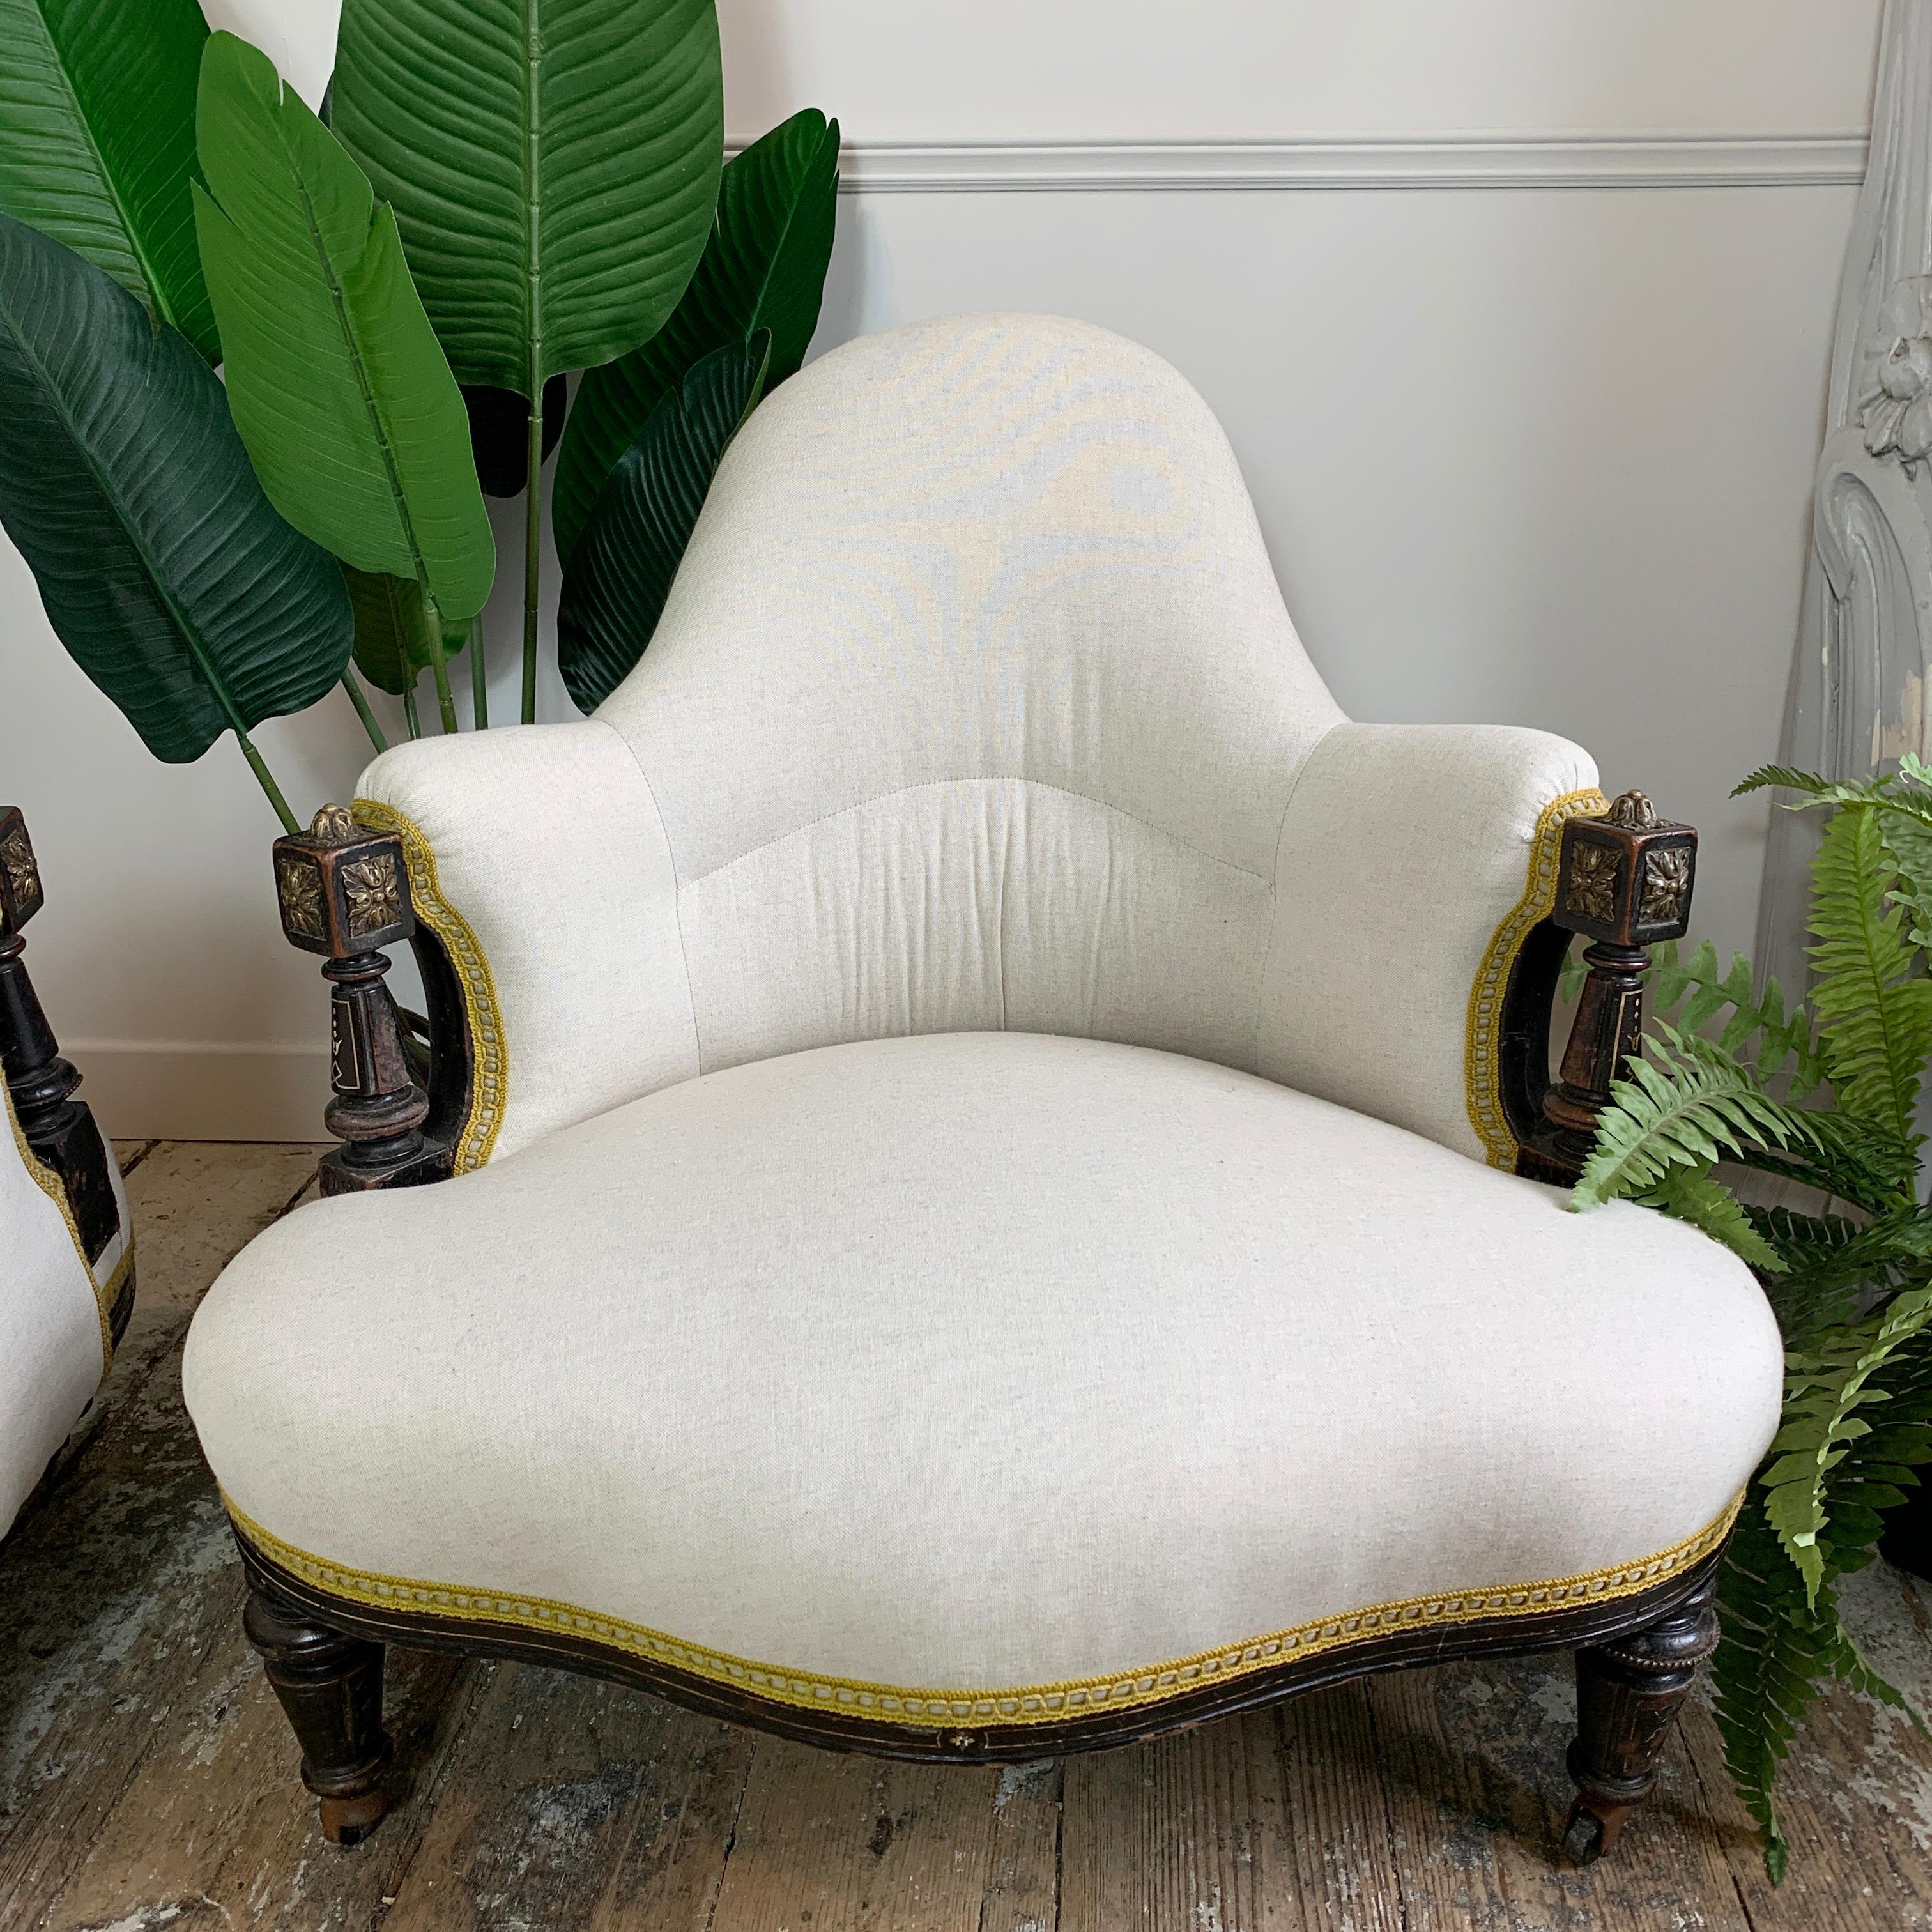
[(489, 1044), (1482, 1065), (1035, 1704)]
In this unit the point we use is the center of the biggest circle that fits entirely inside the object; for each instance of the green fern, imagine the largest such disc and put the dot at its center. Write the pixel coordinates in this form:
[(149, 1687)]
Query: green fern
[(1876, 1016), (1690, 1194), (1851, 1284), (1823, 1394), (1687, 1104)]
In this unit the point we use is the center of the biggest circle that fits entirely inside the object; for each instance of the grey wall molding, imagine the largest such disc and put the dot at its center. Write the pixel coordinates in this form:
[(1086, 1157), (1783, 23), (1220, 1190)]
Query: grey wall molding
[(1477, 161)]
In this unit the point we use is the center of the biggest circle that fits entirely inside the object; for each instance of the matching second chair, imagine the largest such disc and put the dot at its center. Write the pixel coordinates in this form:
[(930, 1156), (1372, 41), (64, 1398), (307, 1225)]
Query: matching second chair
[(989, 1183)]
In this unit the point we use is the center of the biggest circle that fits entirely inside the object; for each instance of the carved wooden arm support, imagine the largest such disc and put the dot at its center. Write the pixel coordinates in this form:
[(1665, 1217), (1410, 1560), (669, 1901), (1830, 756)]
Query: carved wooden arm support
[(1624, 882), (59, 1129), (344, 893)]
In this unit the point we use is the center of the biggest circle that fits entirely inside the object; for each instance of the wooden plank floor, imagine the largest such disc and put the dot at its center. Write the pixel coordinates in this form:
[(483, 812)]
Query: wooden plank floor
[(147, 1780)]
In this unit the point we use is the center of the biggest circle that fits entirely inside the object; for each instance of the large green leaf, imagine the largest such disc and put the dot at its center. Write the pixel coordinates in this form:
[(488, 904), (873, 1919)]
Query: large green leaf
[(615, 588), (762, 267), (337, 384), (164, 569), (553, 165), (96, 142), (392, 644)]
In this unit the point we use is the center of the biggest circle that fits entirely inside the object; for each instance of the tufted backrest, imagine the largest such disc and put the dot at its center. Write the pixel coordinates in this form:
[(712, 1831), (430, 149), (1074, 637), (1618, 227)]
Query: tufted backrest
[(976, 704)]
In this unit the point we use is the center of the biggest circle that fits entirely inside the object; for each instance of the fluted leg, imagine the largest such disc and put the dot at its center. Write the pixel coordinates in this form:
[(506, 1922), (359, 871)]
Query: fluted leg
[(331, 1687), (1628, 1694)]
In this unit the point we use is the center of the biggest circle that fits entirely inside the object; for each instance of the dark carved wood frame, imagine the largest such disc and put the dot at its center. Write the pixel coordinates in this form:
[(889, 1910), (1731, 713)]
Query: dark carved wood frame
[(1637, 1656), (61, 1130)]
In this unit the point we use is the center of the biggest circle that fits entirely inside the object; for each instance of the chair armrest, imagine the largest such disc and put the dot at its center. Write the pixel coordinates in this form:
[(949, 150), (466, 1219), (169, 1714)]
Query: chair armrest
[(1415, 864), (536, 887)]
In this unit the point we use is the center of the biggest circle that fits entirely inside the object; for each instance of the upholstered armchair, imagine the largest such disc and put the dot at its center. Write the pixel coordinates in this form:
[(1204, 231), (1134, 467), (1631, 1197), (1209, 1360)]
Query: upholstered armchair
[(67, 1247), (983, 1186)]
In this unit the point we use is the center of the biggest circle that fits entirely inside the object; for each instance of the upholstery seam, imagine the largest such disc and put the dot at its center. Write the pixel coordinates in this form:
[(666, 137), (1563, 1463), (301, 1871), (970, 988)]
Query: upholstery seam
[(1141, 1686), (1274, 883), (967, 779), (676, 887)]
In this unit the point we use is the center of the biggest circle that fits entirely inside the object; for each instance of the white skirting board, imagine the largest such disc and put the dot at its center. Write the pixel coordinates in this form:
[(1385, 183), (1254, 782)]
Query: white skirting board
[(203, 1090)]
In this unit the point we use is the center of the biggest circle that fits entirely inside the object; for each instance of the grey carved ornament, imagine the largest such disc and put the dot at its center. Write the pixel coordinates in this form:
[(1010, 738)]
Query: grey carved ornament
[(1856, 699)]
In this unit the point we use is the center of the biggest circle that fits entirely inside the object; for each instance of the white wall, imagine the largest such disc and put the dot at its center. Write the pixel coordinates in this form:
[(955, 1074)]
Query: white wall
[(1539, 455)]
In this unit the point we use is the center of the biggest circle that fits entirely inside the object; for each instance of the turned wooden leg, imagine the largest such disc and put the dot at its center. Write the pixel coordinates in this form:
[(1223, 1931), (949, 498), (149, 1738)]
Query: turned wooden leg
[(1628, 1693), (331, 1687)]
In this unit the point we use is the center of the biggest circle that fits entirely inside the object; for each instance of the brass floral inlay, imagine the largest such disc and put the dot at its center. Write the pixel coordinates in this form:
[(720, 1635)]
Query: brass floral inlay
[(334, 825), (1633, 812), (299, 888), (374, 894), (23, 875), (1594, 871), (1666, 885)]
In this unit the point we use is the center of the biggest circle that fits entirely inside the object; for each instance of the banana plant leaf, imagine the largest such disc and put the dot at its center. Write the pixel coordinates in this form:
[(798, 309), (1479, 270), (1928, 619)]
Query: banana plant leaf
[(615, 589), (96, 142), (762, 267), (553, 165), (334, 376), (392, 645), (164, 569), (500, 433)]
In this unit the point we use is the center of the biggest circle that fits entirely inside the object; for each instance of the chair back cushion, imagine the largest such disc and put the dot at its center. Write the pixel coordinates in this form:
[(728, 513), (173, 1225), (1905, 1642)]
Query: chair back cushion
[(975, 705)]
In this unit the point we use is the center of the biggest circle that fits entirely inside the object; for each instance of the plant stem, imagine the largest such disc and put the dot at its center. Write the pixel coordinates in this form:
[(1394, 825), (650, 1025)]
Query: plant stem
[(479, 692), (438, 662), (409, 711), (532, 551), (268, 782), (362, 711)]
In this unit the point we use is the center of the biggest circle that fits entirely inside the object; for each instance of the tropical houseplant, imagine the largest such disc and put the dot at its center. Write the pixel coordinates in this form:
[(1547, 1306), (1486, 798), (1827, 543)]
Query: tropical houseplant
[(1845, 1255), (393, 292)]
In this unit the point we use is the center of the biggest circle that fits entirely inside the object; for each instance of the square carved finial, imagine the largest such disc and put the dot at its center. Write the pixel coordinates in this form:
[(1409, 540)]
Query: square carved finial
[(1626, 877), (20, 893), (342, 888)]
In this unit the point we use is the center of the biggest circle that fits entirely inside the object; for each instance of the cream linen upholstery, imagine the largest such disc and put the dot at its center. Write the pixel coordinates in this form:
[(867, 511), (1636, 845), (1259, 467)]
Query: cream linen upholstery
[(976, 706), (53, 1336), (978, 1362), (893, 1267)]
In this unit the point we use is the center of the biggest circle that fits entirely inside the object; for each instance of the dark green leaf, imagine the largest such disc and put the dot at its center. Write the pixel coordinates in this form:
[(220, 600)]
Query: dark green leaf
[(96, 142), (392, 645), (762, 267), (164, 569), (615, 588)]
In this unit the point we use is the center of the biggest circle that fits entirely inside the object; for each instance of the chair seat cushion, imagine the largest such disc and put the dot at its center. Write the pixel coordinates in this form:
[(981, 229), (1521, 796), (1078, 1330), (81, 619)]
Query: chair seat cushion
[(989, 1366)]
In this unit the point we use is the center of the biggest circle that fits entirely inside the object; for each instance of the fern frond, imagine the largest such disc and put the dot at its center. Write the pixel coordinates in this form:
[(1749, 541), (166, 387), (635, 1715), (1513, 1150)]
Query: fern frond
[(1687, 1104), (1690, 1194), (1776, 1652), (1876, 1016), (1829, 1261), (1780, 1035), (1823, 1394), (1785, 778)]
